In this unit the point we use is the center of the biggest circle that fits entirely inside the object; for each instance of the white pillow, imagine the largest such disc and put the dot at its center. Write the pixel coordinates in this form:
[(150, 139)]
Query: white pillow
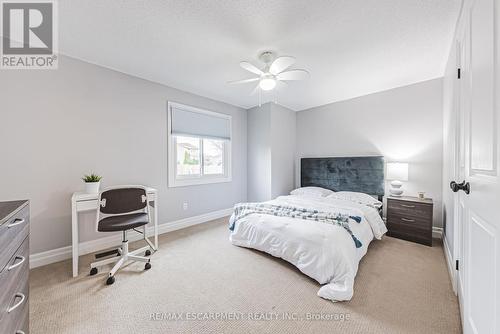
[(311, 192), (357, 197)]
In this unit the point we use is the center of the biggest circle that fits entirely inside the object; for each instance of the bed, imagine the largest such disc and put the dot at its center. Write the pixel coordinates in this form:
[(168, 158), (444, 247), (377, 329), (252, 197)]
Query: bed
[(324, 227)]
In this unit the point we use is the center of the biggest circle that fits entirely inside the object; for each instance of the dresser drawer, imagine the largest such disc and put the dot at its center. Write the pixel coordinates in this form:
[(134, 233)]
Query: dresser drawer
[(18, 307), (413, 209), (12, 234), (14, 280), (23, 325), (16, 322)]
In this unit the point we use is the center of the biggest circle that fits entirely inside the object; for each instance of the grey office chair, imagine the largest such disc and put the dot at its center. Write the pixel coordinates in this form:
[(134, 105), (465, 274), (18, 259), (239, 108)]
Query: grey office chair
[(121, 209)]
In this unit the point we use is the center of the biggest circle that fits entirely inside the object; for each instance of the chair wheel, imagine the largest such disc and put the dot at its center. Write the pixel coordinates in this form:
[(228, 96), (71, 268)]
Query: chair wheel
[(148, 253), (93, 271), (147, 266), (110, 280)]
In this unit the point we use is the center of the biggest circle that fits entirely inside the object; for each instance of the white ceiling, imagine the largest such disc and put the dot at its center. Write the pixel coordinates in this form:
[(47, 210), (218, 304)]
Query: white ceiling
[(350, 47)]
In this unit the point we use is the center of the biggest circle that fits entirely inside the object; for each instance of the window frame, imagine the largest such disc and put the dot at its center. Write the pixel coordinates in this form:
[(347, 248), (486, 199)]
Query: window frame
[(188, 180)]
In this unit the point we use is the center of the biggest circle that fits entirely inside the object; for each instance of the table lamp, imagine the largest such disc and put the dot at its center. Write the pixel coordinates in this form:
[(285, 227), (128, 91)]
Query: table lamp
[(397, 172)]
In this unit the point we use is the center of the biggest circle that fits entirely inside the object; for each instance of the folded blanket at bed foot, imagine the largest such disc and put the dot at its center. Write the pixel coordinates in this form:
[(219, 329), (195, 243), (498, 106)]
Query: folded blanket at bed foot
[(242, 210)]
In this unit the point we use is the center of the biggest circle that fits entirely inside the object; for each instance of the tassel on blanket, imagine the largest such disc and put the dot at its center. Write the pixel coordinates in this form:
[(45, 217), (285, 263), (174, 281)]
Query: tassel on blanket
[(356, 242), (357, 219)]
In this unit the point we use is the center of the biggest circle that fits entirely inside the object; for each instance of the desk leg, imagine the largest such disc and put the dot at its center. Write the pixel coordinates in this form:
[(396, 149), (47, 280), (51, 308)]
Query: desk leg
[(74, 235), (156, 222)]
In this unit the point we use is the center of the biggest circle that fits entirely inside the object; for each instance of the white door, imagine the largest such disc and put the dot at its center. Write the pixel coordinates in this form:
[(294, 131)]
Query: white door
[(479, 212)]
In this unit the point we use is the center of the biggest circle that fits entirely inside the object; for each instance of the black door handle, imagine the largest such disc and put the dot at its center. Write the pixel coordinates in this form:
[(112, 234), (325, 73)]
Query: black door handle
[(465, 186)]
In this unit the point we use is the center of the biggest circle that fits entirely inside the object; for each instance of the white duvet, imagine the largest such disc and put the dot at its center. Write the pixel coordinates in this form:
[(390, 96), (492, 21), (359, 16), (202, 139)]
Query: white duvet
[(322, 251)]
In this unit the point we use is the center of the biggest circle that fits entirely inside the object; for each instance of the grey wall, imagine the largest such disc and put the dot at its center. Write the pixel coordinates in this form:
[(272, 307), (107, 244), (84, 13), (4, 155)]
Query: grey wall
[(283, 137), (57, 125), (402, 124), (259, 153), (271, 151)]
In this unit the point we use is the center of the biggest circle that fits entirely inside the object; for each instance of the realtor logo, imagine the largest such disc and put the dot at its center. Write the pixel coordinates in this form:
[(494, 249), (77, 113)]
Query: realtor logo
[(29, 35)]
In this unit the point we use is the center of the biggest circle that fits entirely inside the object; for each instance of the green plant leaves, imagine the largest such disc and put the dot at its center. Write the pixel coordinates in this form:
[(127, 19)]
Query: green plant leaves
[(91, 178)]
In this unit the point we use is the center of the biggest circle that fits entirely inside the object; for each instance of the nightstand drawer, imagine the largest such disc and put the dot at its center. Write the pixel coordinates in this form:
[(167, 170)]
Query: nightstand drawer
[(410, 228), (410, 208), (419, 223)]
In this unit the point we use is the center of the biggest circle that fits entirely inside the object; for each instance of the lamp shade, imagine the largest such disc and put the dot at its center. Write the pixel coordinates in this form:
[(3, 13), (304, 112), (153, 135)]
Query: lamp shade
[(397, 171)]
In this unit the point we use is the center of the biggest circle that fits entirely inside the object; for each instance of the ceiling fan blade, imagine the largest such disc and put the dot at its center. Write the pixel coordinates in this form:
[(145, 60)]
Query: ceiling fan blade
[(280, 64), (255, 90), (251, 68), (293, 75), (242, 81)]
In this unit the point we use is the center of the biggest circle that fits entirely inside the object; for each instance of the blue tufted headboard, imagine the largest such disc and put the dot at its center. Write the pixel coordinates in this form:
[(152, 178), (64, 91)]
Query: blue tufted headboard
[(360, 174)]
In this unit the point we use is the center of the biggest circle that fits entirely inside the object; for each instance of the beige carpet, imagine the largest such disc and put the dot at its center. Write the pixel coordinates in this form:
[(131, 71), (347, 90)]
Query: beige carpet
[(401, 287)]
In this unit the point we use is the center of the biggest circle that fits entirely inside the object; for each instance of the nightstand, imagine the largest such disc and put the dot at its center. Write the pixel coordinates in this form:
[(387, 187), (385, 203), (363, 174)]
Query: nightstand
[(410, 218)]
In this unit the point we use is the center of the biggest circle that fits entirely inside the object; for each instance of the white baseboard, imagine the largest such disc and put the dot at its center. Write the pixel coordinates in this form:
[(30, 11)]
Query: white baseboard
[(450, 264), (64, 253), (437, 232)]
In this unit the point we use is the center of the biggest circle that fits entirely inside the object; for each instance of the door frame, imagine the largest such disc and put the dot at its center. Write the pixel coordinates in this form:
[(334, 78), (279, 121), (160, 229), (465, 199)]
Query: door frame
[(457, 111)]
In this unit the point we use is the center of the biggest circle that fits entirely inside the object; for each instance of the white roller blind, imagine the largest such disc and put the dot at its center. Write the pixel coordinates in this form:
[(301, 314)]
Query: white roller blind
[(200, 124)]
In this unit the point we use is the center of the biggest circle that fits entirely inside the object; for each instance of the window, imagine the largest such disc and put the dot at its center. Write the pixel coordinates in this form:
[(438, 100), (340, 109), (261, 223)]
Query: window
[(213, 156), (188, 156), (199, 146)]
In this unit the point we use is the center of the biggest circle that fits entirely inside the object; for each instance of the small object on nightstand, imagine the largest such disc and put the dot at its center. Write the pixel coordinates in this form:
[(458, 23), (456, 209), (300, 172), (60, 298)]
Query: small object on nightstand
[(410, 218)]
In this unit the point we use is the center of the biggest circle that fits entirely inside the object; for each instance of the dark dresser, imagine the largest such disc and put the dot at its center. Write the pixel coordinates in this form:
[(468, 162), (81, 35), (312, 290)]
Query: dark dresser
[(14, 267), (410, 218)]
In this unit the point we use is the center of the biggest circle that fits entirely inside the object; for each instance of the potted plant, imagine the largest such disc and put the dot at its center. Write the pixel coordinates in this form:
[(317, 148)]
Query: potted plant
[(92, 183)]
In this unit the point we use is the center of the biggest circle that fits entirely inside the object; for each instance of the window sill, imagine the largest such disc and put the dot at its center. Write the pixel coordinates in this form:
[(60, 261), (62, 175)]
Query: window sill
[(194, 182)]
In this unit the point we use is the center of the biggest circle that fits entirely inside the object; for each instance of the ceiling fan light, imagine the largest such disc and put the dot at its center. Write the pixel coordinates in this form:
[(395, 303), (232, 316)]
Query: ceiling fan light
[(267, 83)]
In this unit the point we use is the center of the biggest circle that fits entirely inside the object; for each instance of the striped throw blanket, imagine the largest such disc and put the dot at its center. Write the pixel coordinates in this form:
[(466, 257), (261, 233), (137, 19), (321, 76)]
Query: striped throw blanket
[(242, 210)]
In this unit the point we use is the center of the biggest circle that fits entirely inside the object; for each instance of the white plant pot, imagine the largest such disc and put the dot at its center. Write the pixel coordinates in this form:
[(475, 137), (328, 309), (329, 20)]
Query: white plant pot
[(92, 187)]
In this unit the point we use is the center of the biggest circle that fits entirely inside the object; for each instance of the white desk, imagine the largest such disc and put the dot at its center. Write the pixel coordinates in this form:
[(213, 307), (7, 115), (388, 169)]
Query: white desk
[(81, 201)]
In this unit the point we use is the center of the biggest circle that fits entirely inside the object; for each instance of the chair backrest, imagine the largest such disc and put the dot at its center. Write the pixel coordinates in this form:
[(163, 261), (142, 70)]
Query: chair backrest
[(123, 200)]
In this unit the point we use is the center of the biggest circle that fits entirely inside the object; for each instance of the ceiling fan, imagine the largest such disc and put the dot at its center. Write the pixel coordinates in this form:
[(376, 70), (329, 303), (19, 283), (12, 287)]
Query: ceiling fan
[(273, 71)]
